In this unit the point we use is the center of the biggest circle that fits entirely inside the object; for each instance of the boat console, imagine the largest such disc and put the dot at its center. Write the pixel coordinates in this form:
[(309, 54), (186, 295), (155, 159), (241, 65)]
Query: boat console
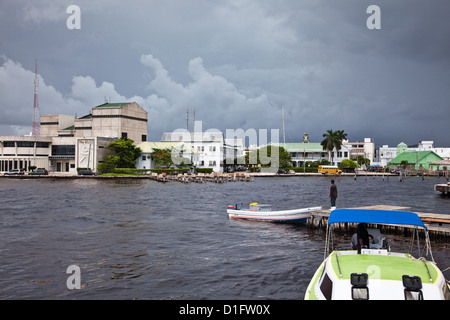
[(376, 240)]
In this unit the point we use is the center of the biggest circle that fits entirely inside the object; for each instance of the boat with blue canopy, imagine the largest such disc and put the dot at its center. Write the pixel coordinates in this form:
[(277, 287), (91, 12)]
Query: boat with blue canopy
[(370, 270)]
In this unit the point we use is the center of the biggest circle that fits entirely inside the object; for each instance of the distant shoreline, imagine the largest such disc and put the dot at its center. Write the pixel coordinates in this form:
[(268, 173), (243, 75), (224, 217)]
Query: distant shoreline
[(251, 174)]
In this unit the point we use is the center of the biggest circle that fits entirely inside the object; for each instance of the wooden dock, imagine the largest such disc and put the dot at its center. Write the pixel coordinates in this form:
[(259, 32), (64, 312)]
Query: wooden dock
[(437, 224), (214, 177), (202, 177)]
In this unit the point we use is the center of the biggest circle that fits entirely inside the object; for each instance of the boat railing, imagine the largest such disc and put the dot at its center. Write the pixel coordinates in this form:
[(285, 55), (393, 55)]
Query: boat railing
[(411, 220)]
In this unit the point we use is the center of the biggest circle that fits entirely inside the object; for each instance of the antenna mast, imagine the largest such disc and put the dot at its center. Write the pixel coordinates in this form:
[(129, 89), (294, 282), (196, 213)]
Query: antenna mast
[(282, 114), (36, 116), (187, 119)]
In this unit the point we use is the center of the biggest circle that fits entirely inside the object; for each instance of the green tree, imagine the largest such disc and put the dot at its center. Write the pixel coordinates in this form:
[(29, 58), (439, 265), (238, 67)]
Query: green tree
[(162, 157), (361, 160), (333, 140), (265, 155), (348, 164), (121, 154)]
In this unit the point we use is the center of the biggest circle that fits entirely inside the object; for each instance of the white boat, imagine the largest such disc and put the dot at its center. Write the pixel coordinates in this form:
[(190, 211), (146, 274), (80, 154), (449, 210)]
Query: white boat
[(376, 273), (263, 212)]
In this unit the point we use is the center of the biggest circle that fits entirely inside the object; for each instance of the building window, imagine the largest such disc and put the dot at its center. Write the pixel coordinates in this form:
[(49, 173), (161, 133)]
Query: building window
[(144, 137), (144, 158), (25, 144), (124, 135), (9, 144), (42, 144), (63, 150)]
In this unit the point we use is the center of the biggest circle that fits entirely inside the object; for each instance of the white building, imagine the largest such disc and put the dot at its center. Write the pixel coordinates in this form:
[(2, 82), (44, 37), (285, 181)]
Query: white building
[(209, 146), (365, 149), (233, 149), (180, 153), (311, 152), (388, 153)]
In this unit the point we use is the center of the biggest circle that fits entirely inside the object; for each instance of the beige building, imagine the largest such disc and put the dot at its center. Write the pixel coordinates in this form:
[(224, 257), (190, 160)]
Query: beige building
[(22, 152), (54, 125), (67, 143), (115, 120)]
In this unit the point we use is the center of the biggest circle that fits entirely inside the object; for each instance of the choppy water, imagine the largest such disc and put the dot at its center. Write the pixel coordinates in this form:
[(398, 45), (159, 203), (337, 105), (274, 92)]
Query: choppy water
[(140, 239)]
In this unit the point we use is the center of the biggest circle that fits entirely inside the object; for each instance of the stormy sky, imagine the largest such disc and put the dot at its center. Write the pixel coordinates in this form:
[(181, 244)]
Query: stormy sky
[(236, 63)]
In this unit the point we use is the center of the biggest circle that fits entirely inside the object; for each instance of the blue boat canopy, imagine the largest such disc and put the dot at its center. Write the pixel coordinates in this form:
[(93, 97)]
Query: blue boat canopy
[(375, 216)]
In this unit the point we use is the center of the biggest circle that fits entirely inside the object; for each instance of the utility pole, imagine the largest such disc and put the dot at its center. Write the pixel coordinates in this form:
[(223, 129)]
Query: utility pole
[(284, 135), (36, 116)]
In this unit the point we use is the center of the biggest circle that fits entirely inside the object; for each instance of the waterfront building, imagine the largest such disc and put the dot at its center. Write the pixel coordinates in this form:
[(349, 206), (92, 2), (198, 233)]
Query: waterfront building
[(441, 165), (23, 152), (414, 160), (365, 149), (234, 151), (209, 149), (67, 142), (208, 145), (389, 153), (180, 152), (116, 120), (304, 152)]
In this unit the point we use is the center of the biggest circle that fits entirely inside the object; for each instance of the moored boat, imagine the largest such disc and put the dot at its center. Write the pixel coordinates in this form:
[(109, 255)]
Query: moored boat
[(264, 212), (376, 273)]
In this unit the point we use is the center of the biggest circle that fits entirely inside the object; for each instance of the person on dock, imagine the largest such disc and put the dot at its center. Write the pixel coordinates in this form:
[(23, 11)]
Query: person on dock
[(333, 194)]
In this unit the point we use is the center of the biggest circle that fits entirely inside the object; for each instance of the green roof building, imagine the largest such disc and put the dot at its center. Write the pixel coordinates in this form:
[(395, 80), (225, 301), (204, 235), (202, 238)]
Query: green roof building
[(414, 160), (310, 151)]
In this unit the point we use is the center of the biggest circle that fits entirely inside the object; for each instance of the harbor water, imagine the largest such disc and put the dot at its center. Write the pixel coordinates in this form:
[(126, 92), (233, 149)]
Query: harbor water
[(141, 239)]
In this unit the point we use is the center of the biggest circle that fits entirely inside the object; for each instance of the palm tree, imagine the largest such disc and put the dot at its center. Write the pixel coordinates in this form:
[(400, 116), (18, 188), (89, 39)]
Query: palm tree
[(341, 135), (333, 139)]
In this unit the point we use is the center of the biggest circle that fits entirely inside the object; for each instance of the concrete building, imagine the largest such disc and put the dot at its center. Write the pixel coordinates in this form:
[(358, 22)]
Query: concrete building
[(57, 125), (67, 143), (365, 149), (23, 152), (115, 120)]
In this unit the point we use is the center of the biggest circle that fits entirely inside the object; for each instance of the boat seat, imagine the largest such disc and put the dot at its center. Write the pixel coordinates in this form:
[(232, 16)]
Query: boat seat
[(377, 241)]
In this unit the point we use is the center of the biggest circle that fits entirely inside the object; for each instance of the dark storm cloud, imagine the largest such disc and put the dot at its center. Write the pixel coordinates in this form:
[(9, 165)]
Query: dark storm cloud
[(236, 63)]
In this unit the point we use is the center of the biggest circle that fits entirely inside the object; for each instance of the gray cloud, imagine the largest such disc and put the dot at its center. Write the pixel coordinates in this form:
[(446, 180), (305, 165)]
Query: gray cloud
[(236, 63)]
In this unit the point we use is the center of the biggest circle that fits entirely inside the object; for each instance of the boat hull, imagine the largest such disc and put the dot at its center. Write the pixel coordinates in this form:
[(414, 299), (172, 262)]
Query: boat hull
[(384, 269), (295, 215)]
